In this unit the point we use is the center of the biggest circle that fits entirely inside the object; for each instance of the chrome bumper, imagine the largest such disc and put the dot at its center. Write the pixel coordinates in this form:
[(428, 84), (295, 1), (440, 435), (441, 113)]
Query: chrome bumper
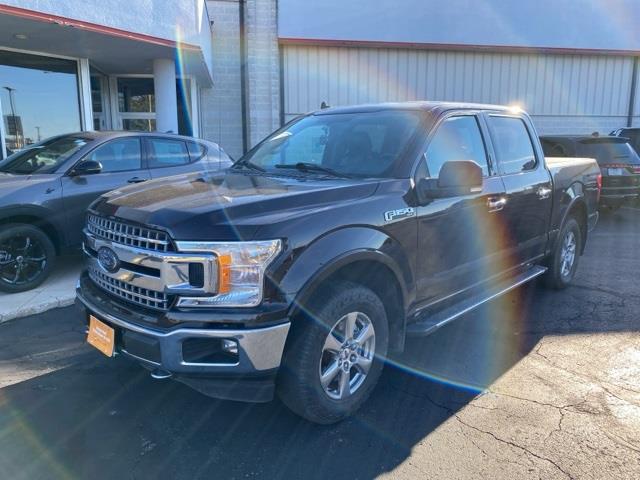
[(259, 349)]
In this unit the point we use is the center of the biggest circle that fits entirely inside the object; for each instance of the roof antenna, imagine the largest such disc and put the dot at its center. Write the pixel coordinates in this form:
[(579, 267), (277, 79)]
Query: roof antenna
[(324, 105)]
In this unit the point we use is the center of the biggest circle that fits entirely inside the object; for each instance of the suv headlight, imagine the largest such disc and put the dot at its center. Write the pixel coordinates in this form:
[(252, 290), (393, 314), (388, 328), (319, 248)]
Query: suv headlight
[(240, 275)]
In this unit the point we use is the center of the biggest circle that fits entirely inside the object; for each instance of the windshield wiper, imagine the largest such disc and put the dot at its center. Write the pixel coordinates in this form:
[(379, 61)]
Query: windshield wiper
[(247, 163), (312, 167)]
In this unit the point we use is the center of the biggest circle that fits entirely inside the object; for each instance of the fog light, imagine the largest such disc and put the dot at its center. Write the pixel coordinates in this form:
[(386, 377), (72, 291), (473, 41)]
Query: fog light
[(230, 346)]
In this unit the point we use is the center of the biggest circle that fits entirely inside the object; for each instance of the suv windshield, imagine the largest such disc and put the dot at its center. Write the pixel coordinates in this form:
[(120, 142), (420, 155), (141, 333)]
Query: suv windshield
[(607, 151), (363, 144), (45, 157)]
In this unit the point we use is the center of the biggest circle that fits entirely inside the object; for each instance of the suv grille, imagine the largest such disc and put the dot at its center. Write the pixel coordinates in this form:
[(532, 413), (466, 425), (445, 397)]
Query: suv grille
[(127, 234), (140, 296)]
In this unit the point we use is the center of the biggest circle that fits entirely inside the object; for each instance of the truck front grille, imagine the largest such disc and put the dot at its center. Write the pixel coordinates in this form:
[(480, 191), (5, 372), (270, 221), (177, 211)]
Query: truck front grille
[(139, 296), (128, 234)]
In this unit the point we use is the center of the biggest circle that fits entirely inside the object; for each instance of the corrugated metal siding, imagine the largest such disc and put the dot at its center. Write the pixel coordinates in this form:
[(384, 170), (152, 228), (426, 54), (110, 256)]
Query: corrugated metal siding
[(579, 92), (636, 106)]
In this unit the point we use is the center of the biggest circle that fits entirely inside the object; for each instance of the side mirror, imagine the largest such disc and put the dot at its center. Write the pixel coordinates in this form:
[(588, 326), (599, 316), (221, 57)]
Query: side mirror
[(88, 167), (459, 177)]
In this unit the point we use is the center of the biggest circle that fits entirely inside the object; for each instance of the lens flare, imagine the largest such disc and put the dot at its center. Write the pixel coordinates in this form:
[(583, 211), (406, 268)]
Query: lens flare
[(183, 85)]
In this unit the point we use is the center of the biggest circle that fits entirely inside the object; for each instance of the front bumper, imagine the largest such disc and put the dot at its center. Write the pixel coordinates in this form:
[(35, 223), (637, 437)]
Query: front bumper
[(246, 373)]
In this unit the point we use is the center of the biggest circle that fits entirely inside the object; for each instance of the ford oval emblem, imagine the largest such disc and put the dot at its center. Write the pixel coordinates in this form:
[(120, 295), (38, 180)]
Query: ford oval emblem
[(108, 260)]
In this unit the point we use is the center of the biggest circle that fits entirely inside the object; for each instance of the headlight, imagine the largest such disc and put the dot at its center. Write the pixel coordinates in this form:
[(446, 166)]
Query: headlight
[(241, 267)]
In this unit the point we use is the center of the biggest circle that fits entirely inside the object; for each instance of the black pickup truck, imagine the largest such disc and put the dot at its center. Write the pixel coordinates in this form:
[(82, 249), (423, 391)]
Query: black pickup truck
[(302, 267)]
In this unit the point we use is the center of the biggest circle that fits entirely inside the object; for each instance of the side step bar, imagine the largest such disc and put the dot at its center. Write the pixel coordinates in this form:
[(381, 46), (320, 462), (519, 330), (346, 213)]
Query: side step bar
[(439, 319)]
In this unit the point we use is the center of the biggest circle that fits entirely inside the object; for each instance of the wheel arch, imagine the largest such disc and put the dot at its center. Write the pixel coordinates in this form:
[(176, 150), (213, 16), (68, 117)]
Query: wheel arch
[(578, 209), (369, 268), (37, 219)]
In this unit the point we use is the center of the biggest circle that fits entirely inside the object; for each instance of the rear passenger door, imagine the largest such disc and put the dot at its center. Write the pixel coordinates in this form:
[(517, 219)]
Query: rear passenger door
[(460, 239), (168, 156), (529, 191)]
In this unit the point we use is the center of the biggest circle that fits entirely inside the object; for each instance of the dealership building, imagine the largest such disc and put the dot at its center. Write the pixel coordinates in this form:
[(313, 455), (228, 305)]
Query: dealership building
[(232, 71)]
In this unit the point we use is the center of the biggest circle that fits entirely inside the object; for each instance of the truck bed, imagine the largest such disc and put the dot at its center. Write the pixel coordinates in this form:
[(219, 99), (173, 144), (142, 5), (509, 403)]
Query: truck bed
[(567, 170)]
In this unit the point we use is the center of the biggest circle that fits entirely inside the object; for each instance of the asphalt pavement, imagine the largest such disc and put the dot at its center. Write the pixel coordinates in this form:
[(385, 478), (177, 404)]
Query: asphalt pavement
[(538, 384)]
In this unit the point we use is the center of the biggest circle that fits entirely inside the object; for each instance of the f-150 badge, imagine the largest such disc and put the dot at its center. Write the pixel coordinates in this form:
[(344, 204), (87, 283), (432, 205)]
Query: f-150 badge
[(400, 213)]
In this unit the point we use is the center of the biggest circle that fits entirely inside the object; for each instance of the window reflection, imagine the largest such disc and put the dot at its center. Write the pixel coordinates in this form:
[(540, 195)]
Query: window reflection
[(39, 97), (136, 95), (139, 124)]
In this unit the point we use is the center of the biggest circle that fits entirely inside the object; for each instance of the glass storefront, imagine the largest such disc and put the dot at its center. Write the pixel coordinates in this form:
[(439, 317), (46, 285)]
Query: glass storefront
[(137, 107), (39, 98), (136, 103), (99, 101)]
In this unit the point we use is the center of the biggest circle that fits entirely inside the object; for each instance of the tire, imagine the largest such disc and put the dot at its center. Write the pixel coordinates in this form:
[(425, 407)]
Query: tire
[(308, 354), (558, 276), (27, 256)]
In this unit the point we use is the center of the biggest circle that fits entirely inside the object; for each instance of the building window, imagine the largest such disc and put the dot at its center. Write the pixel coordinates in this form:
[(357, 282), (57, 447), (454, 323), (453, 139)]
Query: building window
[(136, 109), (139, 124), (100, 101), (38, 97), (136, 103)]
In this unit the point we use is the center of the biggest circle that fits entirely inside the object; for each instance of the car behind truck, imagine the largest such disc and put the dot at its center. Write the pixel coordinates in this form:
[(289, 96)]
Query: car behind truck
[(301, 268)]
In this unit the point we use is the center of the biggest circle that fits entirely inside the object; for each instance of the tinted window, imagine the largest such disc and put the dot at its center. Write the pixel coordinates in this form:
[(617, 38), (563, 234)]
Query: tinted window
[(364, 144), (634, 137), (607, 151), (552, 148), (457, 138), (45, 157), (118, 155), (167, 153), (196, 150), (512, 144)]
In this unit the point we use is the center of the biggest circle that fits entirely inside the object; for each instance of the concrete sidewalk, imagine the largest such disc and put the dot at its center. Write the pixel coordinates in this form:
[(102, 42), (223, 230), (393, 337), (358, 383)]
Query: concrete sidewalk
[(57, 291)]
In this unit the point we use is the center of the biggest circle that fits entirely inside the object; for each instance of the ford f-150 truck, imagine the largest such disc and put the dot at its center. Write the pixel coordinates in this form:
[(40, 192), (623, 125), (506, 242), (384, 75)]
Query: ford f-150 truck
[(298, 270)]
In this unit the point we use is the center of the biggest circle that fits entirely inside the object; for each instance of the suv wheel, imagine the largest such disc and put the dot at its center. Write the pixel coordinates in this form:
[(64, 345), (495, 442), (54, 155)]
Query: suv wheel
[(334, 356), (26, 257), (563, 262)]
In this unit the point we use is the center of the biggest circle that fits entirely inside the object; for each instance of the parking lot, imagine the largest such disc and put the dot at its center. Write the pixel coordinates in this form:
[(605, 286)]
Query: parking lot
[(539, 384)]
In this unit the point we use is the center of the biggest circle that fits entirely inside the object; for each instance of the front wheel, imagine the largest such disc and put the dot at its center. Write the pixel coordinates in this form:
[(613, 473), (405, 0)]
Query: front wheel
[(26, 257), (335, 354), (563, 262)]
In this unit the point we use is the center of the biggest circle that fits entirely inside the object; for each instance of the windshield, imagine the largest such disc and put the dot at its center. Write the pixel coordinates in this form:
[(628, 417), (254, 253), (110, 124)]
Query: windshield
[(45, 157), (365, 144), (607, 152)]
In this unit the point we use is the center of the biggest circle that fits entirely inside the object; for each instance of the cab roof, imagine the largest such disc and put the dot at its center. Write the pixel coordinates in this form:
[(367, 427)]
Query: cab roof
[(586, 138), (429, 106)]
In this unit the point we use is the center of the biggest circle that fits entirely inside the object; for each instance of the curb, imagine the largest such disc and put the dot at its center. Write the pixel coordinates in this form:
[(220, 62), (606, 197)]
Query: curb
[(28, 310)]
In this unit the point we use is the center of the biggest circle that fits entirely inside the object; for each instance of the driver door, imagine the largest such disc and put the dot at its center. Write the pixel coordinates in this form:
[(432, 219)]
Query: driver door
[(122, 164), (460, 239)]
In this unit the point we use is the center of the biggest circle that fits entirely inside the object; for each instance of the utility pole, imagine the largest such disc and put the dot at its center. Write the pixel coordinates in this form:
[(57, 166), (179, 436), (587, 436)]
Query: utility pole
[(38, 130), (13, 113)]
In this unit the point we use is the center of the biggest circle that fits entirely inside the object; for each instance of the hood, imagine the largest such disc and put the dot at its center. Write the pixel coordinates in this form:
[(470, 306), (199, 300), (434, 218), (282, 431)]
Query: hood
[(227, 206), (10, 184)]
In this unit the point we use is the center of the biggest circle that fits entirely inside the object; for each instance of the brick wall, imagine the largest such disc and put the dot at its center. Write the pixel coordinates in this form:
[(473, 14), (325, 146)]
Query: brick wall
[(221, 105), (263, 69)]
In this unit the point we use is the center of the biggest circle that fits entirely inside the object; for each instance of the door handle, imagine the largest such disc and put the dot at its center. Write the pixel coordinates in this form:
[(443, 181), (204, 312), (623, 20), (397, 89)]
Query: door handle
[(136, 180), (544, 193), (496, 204)]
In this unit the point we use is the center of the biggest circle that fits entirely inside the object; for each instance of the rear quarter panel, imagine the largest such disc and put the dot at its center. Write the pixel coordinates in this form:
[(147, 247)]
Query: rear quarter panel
[(575, 180)]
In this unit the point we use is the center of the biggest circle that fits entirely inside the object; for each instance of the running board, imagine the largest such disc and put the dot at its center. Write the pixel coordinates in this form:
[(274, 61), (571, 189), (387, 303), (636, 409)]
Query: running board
[(440, 319)]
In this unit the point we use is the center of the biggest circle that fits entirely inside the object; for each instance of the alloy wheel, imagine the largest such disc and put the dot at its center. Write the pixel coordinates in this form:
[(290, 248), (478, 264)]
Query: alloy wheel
[(567, 253), (22, 259), (347, 355)]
